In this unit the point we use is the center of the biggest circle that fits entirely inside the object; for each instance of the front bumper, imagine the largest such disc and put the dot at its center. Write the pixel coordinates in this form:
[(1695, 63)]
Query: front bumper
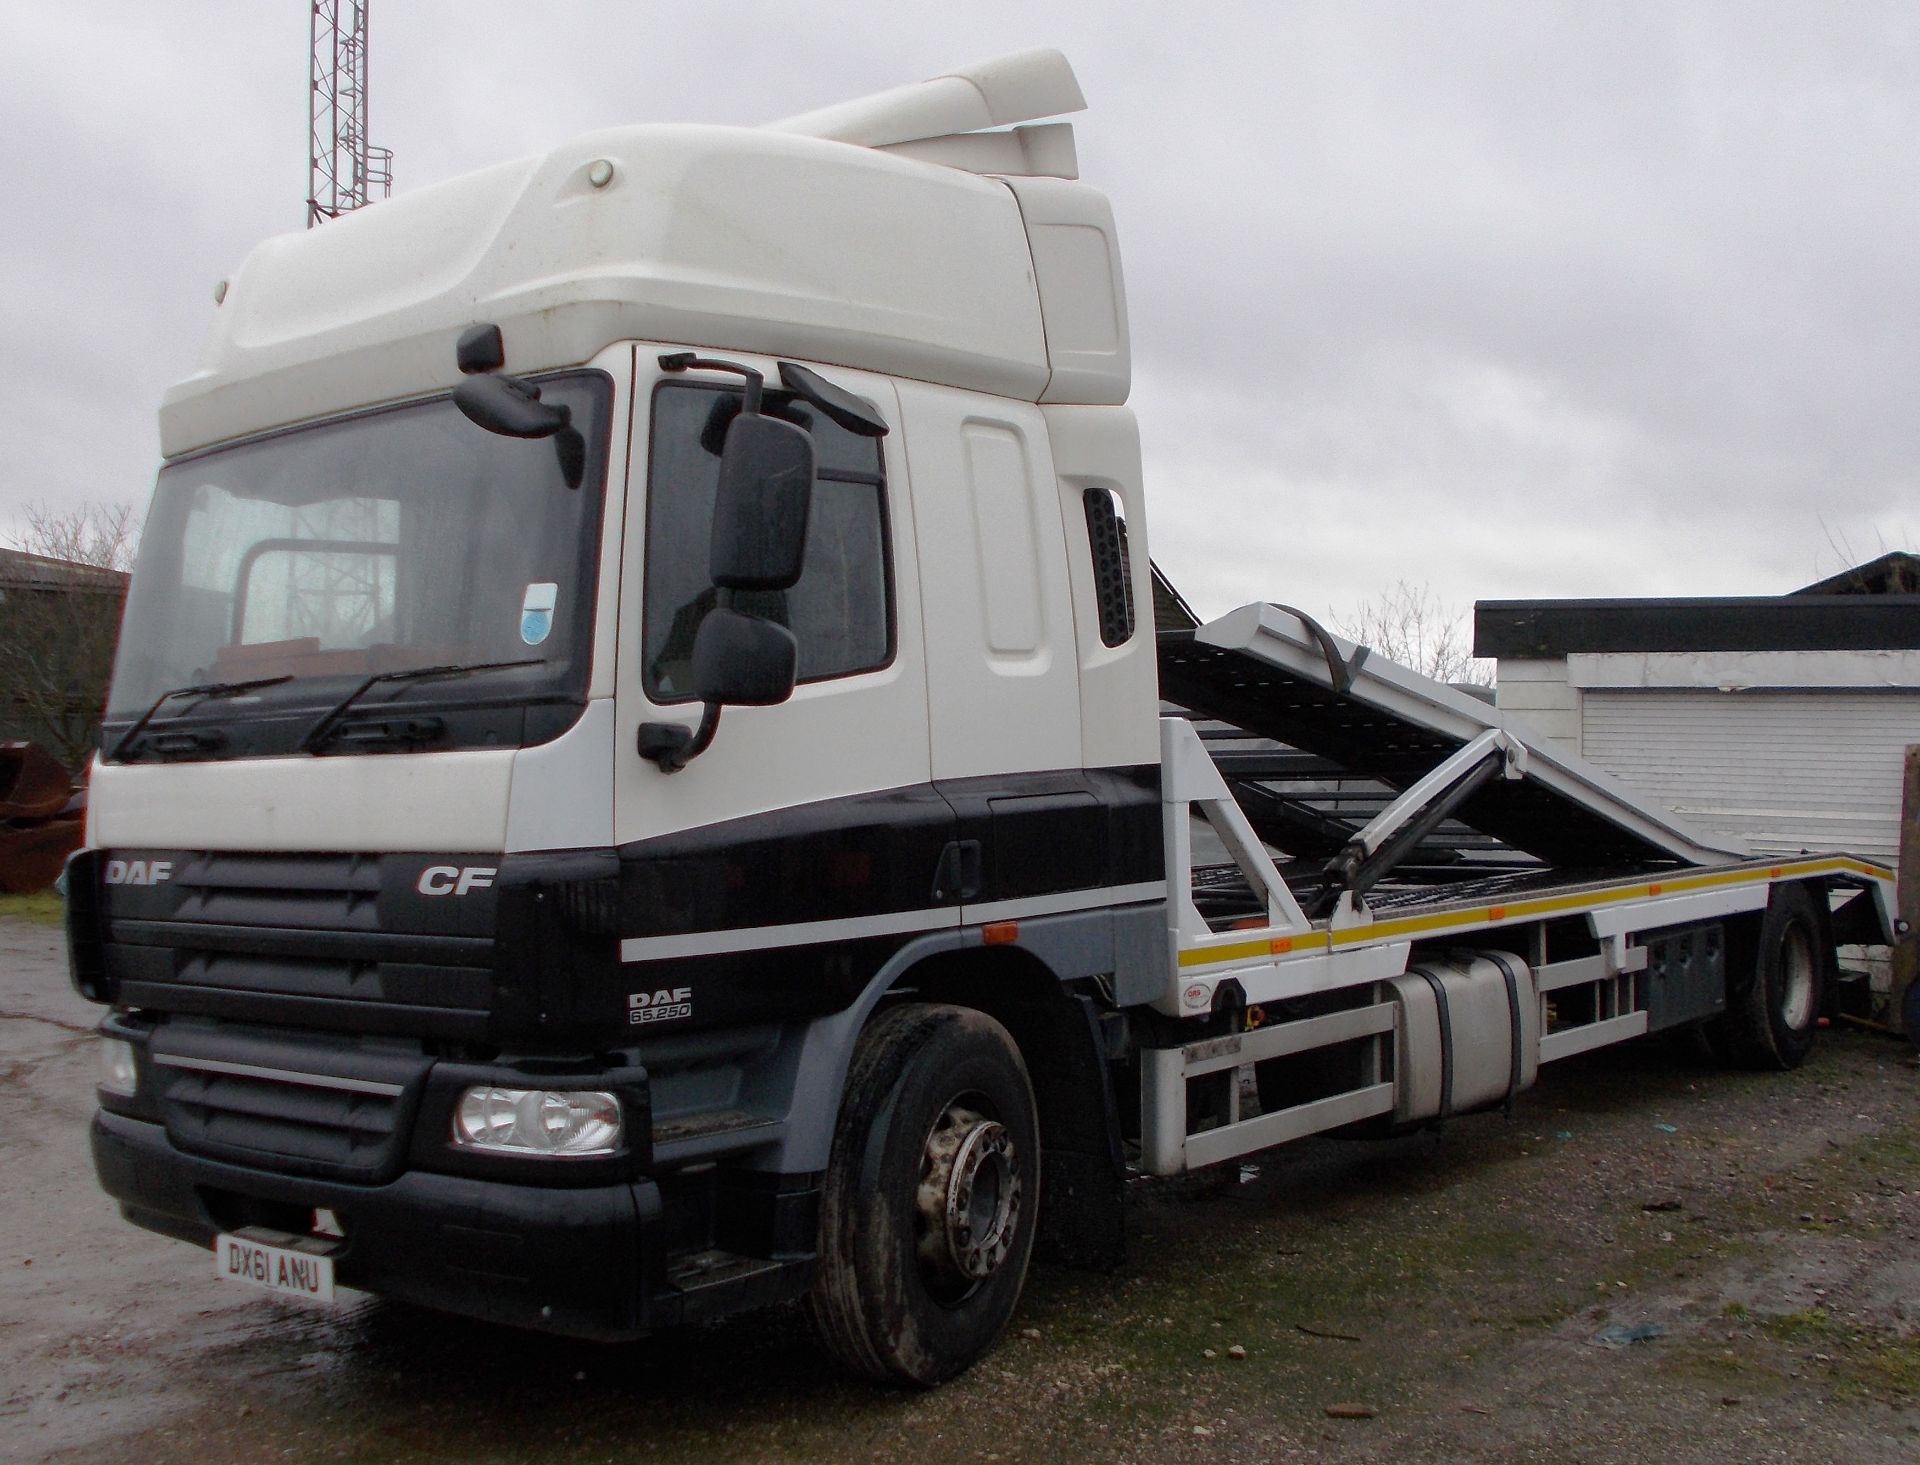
[(230, 1128), (587, 1262), (582, 1262)]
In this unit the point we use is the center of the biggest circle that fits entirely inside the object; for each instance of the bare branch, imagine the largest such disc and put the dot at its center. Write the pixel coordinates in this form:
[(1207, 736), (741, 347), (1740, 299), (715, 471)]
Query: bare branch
[(1406, 623), (101, 535)]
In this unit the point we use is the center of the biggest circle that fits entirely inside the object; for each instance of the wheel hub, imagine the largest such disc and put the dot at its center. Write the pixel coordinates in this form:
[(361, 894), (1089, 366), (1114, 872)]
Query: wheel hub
[(969, 1200), (1797, 985)]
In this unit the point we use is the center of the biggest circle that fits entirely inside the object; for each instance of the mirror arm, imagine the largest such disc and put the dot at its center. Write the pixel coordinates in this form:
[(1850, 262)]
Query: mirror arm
[(571, 448), (703, 735), (671, 746), (687, 360)]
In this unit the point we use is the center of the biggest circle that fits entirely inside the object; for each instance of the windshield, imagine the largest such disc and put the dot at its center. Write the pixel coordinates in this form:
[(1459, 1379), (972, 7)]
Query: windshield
[(368, 545)]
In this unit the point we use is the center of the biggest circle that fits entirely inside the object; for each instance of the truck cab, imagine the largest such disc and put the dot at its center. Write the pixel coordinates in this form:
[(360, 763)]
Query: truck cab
[(472, 913)]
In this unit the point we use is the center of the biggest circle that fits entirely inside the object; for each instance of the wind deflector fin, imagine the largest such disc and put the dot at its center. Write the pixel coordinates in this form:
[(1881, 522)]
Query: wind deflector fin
[(1023, 87)]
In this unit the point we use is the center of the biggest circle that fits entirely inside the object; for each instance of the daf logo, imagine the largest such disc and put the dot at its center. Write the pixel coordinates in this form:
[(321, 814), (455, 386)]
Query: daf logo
[(137, 872), (455, 879), (662, 1006)]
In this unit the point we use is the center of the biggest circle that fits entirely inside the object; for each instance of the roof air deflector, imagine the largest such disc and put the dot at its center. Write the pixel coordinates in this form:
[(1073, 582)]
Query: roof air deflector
[(1000, 93)]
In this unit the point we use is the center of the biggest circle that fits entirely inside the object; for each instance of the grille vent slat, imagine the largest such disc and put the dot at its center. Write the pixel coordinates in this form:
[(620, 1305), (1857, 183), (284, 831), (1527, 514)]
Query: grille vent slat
[(298, 941), (296, 1110)]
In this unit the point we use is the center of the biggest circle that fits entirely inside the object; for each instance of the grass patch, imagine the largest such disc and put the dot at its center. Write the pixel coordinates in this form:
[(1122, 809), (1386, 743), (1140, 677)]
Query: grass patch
[(1863, 1363), (41, 907), (1894, 1154), (1745, 1370), (1806, 1326), (1885, 1367), (1714, 1367)]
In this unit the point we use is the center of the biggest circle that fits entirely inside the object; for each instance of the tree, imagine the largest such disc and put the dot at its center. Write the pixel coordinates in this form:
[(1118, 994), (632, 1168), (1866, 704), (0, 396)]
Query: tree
[(100, 535), (60, 600), (1408, 624)]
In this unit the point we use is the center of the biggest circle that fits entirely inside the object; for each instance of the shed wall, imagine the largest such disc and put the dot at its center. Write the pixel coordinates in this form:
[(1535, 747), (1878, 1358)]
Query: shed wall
[(1786, 771)]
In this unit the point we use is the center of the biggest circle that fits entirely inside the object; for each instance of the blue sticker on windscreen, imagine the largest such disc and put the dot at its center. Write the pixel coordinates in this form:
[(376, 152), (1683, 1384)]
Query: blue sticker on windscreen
[(536, 612)]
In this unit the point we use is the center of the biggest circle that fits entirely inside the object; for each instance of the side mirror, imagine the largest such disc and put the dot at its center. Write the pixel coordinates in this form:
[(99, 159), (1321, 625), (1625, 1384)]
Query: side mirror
[(512, 408), (508, 406), (738, 660), (759, 541), (742, 661), (761, 505)]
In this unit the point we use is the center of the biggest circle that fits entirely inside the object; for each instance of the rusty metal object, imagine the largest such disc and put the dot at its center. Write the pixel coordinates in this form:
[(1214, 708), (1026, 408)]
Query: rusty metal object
[(33, 785), (42, 817), (969, 1200)]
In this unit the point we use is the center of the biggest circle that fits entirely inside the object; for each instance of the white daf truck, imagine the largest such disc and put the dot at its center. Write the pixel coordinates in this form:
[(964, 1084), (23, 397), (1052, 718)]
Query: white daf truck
[(641, 780)]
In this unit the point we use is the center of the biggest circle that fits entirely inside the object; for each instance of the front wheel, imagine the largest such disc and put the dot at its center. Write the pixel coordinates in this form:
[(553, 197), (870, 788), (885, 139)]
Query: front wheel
[(927, 1215)]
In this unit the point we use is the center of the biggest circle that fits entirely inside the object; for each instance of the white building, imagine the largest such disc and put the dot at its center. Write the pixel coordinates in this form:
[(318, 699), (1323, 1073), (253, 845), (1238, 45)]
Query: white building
[(1779, 720)]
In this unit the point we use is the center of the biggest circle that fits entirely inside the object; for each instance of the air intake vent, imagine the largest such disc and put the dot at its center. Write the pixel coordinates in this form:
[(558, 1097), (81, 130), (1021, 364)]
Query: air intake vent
[(278, 1103), (1107, 533)]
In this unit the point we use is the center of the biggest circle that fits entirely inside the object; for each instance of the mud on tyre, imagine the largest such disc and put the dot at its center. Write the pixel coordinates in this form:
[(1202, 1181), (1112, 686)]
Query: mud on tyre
[(927, 1214)]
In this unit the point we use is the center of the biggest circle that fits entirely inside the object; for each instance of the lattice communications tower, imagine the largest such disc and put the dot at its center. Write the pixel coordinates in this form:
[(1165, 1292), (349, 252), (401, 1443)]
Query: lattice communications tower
[(343, 169)]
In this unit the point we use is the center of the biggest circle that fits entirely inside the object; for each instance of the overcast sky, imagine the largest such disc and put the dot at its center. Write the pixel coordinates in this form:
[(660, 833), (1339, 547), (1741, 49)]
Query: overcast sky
[(1514, 300)]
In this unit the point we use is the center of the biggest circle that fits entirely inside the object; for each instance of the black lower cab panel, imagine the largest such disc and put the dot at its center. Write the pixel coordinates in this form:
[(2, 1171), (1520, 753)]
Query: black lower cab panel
[(610, 1262)]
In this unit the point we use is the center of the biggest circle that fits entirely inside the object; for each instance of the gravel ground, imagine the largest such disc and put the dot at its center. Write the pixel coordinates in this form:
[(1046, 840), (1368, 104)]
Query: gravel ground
[(1450, 1291)]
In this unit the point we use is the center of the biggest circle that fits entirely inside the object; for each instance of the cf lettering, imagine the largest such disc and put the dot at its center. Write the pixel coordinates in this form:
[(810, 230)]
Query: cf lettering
[(455, 879)]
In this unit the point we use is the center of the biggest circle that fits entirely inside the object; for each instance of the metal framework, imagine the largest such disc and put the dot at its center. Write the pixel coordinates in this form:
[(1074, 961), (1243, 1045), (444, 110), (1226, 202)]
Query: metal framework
[(343, 169)]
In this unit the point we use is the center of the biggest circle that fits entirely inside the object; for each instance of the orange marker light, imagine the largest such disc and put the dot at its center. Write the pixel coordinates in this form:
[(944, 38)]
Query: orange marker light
[(1000, 933)]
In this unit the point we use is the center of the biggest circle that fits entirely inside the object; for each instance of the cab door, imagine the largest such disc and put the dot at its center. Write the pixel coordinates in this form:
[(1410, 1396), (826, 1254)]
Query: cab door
[(816, 813)]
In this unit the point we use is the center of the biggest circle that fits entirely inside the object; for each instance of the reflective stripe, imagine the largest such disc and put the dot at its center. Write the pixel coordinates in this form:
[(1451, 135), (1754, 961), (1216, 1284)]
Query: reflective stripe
[(801, 933), (892, 923)]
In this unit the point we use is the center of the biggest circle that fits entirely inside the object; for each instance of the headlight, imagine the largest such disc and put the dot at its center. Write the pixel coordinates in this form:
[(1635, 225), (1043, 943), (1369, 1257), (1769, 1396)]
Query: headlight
[(117, 1073), (562, 1122)]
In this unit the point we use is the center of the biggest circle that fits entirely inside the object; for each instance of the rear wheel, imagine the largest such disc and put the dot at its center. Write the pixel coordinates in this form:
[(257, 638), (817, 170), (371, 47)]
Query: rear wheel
[(1773, 1021), (927, 1215)]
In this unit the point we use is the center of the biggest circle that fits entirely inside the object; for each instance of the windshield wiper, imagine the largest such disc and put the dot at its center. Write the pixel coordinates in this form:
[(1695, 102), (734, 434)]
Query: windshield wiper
[(204, 691), (317, 734)]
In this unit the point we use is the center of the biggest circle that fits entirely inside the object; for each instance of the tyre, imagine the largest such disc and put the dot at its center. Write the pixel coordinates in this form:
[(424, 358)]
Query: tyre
[(928, 1210), (1773, 1020)]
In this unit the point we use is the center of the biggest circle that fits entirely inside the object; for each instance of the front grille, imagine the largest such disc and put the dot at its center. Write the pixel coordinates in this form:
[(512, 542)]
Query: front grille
[(303, 941), (278, 1102)]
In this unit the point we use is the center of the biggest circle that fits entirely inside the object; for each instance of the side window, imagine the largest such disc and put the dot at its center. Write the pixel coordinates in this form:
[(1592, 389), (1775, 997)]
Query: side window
[(841, 611)]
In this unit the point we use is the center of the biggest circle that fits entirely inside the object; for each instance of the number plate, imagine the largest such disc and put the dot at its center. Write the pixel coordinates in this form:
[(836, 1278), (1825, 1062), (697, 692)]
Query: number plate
[(292, 1270)]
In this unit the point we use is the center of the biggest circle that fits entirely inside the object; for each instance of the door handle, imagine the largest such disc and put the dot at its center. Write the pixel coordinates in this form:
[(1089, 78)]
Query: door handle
[(957, 875)]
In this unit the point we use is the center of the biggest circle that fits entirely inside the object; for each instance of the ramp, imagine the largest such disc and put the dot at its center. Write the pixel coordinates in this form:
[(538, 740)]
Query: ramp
[(1274, 673)]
